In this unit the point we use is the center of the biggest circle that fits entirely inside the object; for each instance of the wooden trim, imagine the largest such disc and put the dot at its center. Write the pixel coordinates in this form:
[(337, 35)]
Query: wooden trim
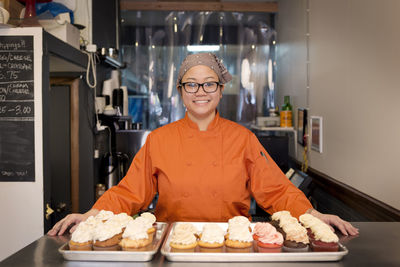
[(75, 145), (74, 137), (271, 7), (366, 205)]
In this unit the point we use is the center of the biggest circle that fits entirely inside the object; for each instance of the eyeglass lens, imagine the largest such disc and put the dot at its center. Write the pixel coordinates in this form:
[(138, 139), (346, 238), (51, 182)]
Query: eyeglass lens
[(208, 87)]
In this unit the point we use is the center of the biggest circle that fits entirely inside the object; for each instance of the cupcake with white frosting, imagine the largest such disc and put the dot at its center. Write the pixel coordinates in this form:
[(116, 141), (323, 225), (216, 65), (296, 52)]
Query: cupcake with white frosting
[(239, 236), (106, 236), (324, 238), (237, 221), (82, 237), (135, 236), (150, 222), (212, 236), (183, 239), (308, 221)]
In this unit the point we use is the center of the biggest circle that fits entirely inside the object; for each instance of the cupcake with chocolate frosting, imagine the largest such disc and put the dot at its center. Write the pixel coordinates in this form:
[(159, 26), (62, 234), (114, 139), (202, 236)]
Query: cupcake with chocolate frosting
[(296, 238)]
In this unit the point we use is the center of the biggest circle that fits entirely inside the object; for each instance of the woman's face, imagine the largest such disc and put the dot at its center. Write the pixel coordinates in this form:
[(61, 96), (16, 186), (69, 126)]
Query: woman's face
[(201, 104)]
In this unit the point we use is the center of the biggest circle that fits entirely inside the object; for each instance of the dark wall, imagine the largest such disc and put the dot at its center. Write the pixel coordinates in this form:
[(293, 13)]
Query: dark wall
[(104, 22)]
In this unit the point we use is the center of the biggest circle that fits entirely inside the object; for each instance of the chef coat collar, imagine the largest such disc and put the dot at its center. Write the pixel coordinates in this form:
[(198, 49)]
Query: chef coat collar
[(213, 124)]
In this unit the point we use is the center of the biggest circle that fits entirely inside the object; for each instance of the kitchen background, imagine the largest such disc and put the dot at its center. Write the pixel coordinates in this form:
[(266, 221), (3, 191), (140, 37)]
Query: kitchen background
[(339, 59)]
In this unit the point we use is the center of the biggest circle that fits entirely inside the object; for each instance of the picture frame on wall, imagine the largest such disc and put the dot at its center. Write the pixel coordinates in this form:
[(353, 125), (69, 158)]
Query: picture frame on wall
[(302, 126), (316, 133)]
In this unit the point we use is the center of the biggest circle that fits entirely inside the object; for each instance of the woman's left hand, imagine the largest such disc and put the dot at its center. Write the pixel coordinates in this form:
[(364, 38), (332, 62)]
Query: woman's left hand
[(333, 220)]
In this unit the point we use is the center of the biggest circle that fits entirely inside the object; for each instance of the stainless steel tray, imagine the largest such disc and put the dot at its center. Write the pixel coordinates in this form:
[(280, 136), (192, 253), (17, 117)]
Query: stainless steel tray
[(145, 255), (250, 255)]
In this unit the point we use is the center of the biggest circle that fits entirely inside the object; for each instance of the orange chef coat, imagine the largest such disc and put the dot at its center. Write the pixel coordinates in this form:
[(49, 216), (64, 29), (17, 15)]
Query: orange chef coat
[(203, 175)]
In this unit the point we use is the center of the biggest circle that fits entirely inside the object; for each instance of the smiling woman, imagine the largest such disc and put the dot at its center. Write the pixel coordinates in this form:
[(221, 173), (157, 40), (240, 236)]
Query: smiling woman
[(203, 167)]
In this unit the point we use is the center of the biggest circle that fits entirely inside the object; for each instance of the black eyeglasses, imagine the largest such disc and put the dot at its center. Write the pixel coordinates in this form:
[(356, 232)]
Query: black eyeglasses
[(192, 87)]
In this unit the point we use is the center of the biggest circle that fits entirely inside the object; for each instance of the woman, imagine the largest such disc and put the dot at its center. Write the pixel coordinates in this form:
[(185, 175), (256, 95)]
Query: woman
[(204, 168)]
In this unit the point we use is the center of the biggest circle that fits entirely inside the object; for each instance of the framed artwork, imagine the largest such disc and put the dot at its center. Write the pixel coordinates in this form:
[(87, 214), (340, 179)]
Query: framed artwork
[(316, 133), (302, 126)]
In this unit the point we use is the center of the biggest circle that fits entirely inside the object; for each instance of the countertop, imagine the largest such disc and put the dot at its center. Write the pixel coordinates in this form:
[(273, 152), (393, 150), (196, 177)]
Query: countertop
[(376, 245)]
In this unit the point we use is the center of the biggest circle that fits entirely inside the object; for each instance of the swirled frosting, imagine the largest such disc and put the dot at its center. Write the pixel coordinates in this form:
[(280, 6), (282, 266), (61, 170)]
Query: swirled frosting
[(104, 215), (295, 232), (277, 216), (186, 227), (83, 233), (92, 221), (135, 230), (183, 237), (321, 230), (104, 231), (121, 219), (149, 216), (287, 220), (267, 233), (308, 220), (212, 233), (238, 220), (324, 233), (145, 221), (240, 233)]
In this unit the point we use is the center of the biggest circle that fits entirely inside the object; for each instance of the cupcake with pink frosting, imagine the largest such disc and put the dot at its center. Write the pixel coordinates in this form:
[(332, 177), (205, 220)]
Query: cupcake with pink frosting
[(268, 238)]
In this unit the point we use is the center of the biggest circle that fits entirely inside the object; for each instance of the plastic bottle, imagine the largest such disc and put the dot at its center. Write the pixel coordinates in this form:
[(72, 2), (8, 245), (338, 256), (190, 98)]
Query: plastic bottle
[(286, 113)]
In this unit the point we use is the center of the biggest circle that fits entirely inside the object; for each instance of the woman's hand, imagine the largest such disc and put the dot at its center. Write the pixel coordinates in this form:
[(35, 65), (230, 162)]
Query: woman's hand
[(332, 220), (74, 218)]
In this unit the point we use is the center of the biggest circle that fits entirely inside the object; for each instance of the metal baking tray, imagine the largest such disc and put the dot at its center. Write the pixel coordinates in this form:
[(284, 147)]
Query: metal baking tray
[(240, 255), (142, 255)]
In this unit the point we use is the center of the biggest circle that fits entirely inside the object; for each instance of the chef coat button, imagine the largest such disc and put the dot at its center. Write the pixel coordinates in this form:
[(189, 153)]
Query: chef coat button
[(214, 194), (215, 163), (188, 163), (186, 194)]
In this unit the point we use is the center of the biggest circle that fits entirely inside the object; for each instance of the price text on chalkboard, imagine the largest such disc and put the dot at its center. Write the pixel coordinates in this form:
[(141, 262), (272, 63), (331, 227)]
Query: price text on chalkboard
[(17, 142)]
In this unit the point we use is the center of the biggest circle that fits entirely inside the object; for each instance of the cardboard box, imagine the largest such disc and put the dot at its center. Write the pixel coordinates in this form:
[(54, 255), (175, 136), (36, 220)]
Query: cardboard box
[(14, 8), (65, 32)]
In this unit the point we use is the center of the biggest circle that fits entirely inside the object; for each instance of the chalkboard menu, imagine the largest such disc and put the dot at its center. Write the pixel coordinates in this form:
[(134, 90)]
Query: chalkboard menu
[(17, 142)]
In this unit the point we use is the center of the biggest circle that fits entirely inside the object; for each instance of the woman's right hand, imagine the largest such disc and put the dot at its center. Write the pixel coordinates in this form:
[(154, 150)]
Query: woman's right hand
[(72, 219)]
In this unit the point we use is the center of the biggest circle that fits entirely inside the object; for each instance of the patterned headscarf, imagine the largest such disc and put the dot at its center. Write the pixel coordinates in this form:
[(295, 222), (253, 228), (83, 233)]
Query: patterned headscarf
[(206, 59)]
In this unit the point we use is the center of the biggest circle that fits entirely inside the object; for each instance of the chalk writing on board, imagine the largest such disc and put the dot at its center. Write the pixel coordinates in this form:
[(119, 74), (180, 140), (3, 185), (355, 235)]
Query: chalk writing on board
[(17, 155)]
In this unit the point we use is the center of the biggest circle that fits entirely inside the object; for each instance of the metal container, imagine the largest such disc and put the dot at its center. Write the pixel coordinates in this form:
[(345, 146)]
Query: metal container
[(241, 255), (141, 255)]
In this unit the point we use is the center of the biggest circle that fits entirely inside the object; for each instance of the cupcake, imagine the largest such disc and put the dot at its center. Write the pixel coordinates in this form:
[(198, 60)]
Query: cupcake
[(183, 240), (81, 238), (212, 238), (106, 236), (151, 223), (135, 236), (308, 221), (324, 238), (239, 236), (268, 238), (296, 238)]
